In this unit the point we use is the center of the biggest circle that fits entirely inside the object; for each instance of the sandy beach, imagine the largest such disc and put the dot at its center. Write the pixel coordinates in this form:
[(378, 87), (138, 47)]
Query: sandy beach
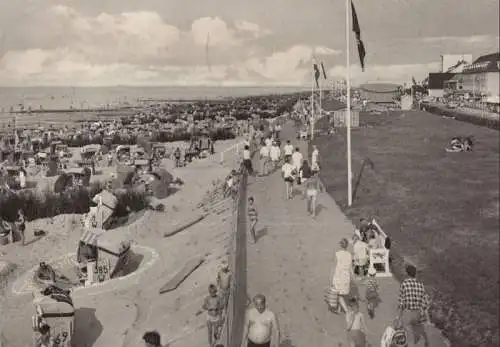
[(118, 313)]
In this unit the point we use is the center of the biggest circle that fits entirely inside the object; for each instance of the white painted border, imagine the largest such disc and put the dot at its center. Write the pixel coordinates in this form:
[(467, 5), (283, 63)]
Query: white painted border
[(25, 279)]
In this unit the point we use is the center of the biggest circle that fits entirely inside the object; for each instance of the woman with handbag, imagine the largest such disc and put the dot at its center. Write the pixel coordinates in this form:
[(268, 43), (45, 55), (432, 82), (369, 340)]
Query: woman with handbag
[(341, 279)]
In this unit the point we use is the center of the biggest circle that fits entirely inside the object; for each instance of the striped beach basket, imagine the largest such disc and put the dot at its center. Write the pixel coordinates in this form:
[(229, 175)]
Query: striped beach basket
[(331, 297)]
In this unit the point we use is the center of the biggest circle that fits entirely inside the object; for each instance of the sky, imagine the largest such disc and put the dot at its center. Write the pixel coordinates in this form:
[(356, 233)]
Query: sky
[(233, 42)]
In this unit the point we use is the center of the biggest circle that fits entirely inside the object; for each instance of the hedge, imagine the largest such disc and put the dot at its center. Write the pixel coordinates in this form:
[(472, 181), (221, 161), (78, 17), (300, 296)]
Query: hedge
[(38, 204)]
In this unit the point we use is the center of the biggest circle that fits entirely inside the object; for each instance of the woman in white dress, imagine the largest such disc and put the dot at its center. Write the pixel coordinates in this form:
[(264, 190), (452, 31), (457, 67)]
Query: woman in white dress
[(341, 280)]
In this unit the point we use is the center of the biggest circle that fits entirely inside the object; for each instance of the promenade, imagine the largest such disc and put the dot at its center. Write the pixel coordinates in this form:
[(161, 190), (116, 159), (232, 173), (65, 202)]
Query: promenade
[(293, 260)]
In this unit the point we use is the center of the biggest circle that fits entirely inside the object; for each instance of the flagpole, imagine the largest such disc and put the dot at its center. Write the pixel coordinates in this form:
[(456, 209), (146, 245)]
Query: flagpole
[(348, 113), (311, 119)]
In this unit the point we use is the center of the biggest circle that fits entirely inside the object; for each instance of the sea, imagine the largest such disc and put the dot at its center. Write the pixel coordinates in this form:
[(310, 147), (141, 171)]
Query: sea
[(54, 98)]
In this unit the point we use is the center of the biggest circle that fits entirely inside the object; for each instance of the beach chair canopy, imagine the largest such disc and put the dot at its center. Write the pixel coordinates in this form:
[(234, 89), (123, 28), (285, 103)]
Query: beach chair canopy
[(50, 307), (107, 199), (76, 171), (91, 148), (113, 242), (122, 148)]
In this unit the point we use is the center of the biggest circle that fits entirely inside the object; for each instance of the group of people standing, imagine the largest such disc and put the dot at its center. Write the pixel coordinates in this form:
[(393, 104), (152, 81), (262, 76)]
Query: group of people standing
[(408, 327)]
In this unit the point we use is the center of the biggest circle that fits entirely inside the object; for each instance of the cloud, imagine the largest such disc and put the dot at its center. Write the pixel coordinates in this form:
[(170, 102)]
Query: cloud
[(322, 50)]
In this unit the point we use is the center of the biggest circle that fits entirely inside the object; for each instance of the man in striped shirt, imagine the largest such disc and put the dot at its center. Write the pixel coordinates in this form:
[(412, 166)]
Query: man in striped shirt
[(413, 304), (253, 217)]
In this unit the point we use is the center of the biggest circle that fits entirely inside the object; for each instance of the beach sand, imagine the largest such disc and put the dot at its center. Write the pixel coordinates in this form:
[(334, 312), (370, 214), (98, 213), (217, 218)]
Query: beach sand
[(118, 314)]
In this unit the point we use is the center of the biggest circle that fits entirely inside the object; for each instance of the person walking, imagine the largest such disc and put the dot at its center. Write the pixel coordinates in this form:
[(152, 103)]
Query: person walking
[(275, 154), (315, 159), (297, 159), (261, 328), (313, 187), (253, 216), (413, 305), (288, 150), (356, 326), (287, 171), (263, 159), (341, 279), (372, 295), (247, 160), (21, 225), (224, 278), (214, 307)]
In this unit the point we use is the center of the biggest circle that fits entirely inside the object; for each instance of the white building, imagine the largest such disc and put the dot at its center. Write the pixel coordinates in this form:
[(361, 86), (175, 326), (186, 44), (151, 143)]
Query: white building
[(481, 79)]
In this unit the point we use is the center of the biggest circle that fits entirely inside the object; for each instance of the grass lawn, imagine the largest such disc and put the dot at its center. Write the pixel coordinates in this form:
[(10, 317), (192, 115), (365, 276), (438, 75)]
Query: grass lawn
[(440, 209)]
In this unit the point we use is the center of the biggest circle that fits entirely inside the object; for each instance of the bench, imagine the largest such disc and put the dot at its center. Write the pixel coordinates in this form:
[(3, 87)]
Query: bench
[(379, 256)]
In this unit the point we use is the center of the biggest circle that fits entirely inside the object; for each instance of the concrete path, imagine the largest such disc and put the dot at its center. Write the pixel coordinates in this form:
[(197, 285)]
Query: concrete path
[(292, 263)]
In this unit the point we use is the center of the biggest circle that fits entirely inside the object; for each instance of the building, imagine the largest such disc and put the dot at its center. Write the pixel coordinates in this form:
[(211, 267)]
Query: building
[(454, 62), (436, 83), (481, 79), (379, 92)]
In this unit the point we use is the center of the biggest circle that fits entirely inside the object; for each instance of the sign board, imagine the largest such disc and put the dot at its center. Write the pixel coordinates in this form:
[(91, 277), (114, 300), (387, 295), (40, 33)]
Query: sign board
[(98, 271), (340, 119)]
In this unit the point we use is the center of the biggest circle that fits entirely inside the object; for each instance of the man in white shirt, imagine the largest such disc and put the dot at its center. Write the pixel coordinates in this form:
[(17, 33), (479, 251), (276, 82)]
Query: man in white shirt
[(287, 171), (361, 256), (277, 130), (247, 160), (264, 160), (314, 159), (275, 154), (297, 158), (288, 150)]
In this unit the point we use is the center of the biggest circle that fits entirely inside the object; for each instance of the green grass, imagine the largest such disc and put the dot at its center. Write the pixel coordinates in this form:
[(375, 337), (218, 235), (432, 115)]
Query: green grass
[(440, 209)]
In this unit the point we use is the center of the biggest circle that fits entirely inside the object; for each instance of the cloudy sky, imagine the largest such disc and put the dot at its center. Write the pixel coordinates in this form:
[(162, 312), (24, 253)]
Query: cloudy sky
[(250, 42)]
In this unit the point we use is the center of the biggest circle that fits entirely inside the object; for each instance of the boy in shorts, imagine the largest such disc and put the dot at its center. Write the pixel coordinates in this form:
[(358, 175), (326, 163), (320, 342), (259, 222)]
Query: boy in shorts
[(253, 217)]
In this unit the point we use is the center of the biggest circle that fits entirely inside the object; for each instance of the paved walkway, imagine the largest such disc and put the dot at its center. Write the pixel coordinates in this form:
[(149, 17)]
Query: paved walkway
[(293, 260)]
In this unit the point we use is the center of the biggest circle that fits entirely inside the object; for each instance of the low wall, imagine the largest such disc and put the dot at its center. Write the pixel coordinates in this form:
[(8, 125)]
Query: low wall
[(232, 332)]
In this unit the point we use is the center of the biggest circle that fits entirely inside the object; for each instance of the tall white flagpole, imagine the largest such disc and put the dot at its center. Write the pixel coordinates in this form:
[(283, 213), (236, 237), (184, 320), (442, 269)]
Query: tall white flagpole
[(311, 119), (348, 114)]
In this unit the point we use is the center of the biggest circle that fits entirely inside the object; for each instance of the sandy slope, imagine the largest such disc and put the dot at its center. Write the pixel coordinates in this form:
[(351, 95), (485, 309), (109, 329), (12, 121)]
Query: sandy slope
[(119, 317)]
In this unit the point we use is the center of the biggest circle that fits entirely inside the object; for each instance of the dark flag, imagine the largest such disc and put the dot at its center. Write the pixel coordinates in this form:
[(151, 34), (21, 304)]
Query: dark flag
[(316, 74), (323, 69), (413, 80), (357, 31)]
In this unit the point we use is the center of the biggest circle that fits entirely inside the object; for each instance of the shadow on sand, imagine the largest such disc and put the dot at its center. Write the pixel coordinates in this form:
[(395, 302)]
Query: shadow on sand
[(88, 329)]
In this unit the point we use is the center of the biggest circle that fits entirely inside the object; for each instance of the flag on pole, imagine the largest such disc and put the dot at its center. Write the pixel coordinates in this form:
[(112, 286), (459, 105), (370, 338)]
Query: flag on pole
[(357, 31), (316, 73), (413, 80), (324, 72), (206, 52)]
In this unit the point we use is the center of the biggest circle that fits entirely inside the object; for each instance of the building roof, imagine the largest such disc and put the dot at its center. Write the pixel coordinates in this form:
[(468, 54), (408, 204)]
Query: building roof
[(380, 87), (485, 63), (437, 79)]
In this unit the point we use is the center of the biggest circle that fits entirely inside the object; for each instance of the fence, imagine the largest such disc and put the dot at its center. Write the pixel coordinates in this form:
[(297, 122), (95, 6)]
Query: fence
[(232, 331)]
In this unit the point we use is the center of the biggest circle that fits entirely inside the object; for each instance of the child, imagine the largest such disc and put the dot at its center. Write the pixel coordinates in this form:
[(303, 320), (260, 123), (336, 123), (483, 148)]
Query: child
[(253, 217), (372, 295), (224, 282), (356, 327)]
